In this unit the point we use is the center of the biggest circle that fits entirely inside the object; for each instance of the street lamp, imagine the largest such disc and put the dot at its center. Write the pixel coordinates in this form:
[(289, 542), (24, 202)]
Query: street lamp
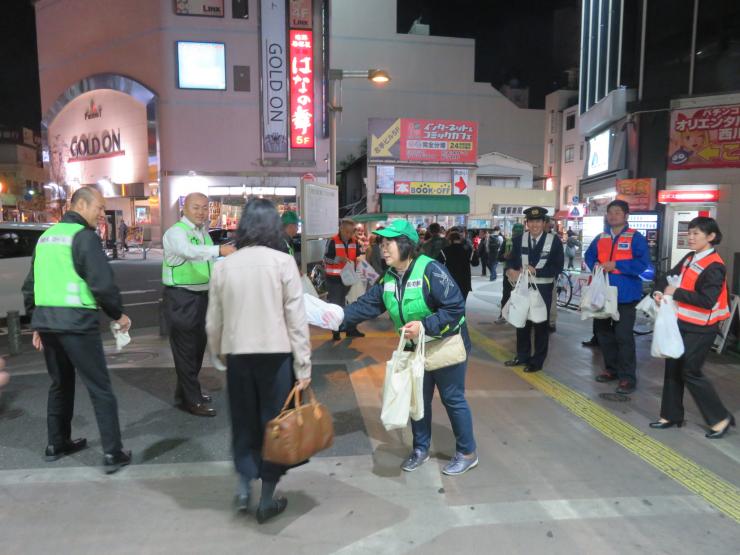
[(376, 76)]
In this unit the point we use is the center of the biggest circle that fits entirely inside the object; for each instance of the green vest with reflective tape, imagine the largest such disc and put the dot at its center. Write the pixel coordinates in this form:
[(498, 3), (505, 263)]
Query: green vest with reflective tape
[(190, 272), (412, 306), (55, 280)]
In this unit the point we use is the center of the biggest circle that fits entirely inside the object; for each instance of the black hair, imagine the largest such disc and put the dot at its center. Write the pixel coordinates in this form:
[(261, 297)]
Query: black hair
[(406, 247), (454, 236), (434, 228), (707, 226), (619, 204), (260, 225)]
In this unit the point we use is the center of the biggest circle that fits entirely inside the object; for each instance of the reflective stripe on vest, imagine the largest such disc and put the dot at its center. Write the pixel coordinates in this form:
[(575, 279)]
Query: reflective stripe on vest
[(349, 252), (411, 307), (693, 314), (190, 272), (621, 250), (55, 280), (546, 248)]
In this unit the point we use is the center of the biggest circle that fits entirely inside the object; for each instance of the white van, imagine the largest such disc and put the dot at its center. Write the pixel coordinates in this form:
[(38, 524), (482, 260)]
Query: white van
[(17, 242)]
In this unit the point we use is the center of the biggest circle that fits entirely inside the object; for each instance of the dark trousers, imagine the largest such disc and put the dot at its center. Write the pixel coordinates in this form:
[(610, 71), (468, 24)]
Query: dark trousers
[(507, 288), (541, 335), (483, 264), (492, 266), (258, 386), (186, 316), (450, 382), (65, 353), (337, 294), (686, 371), (617, 343)]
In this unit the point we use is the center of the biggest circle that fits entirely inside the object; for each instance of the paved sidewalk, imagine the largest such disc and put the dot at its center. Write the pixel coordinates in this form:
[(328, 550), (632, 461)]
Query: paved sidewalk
[(550, 481)]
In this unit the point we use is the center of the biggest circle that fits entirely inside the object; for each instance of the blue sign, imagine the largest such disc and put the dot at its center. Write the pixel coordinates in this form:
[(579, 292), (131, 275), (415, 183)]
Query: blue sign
[(576, 199)]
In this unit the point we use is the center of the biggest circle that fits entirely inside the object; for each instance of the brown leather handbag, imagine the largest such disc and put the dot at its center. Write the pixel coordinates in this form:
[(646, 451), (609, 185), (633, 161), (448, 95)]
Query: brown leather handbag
[(298, 433)]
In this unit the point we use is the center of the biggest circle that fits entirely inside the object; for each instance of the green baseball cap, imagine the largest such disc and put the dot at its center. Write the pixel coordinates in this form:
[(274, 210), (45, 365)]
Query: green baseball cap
[(517, 229), (398, 228), (290, 217)]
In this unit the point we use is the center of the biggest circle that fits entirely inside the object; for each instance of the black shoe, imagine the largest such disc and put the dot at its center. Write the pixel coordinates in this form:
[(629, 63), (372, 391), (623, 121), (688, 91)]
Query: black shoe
[(606, 377), (711, 434), (530, 368), (54, 453), (278, 506), (515, 362), (552, 328), (663, 424), (113, 462), (335, 336), (593, 342), (355, 333), (201, 409), (625, 387), (206, 398)]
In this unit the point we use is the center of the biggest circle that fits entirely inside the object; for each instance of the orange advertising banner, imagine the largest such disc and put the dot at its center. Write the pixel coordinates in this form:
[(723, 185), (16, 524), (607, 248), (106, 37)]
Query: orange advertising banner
[(705, 138), (638, 193)]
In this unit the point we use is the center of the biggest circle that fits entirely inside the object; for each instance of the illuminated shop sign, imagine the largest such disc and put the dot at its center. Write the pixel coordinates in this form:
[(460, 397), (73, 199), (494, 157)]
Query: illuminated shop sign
[(697, 195), (598, 153), (301, 89), (93, 146)]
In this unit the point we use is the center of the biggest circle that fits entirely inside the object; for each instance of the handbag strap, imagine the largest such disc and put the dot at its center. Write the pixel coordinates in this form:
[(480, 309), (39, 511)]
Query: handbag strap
[(295, 393)]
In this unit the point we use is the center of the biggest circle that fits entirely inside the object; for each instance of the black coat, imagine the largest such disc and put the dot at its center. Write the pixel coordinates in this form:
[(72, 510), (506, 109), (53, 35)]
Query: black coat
[(91, 264), (457, 259)]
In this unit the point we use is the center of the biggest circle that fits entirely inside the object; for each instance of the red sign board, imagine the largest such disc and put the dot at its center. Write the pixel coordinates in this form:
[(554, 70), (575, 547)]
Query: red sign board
[(638, 193), (301, 89), (422, 140), (684, 195), (705, 138)]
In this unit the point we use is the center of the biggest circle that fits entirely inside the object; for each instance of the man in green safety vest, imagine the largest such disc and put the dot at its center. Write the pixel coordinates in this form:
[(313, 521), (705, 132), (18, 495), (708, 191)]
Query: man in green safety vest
[(189, 254), (70, 279), (290, 228)]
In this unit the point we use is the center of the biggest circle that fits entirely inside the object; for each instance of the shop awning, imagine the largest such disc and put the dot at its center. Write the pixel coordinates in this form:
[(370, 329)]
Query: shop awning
[(362, 218), (418, 204), (562, 215)]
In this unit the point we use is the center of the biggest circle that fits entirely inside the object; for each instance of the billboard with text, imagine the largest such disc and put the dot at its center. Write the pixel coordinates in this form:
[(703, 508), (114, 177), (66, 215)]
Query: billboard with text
[(432, 141)]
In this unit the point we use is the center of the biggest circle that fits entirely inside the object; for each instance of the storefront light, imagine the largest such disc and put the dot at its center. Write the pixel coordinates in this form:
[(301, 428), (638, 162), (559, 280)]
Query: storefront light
[(707, 195)]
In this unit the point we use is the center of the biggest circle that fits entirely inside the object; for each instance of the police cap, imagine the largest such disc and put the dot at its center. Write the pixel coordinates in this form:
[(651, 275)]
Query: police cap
[(535, 213)]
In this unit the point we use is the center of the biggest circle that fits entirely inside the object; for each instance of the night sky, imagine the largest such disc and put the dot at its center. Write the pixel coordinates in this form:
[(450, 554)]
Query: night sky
[(530, 42), (20, 104)]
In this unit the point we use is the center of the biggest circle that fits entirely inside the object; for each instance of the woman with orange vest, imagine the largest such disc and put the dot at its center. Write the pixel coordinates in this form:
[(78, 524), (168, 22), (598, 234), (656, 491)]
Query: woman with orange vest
[(702, 303)]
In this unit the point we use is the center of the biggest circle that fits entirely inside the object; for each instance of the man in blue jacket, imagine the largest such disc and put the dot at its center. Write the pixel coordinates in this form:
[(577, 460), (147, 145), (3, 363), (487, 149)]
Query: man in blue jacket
[(623, 253)]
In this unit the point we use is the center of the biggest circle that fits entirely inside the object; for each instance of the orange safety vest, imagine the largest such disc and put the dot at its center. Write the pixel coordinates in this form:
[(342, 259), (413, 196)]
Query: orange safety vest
[(349, 252), (689, 276), (621, 250)]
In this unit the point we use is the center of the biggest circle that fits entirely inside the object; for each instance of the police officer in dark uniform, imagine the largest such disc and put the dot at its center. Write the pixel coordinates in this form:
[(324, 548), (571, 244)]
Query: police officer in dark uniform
[(542, 253)]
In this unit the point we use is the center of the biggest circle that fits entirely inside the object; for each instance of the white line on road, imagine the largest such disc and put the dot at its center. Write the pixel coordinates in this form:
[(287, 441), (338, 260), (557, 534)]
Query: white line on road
[(127, 305), (138, 291)]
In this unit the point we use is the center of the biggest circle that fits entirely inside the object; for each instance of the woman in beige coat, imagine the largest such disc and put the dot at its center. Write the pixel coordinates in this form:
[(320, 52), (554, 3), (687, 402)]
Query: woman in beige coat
[(256, 324)]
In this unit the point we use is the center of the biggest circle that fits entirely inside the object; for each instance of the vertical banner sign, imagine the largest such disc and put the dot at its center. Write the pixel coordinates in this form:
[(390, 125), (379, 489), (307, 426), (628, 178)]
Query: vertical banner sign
[(301, 89), (300, 14), (274, 79)]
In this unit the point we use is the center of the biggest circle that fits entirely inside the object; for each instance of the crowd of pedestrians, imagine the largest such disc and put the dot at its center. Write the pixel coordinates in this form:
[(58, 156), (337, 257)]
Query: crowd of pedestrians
[(423, 285)]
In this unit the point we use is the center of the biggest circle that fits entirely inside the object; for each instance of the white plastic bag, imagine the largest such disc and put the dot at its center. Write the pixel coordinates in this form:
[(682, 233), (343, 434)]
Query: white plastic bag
[(516, 309), (322, 314), (122, 337), (608, 298), (648, 306), (537, 307), (403, 386), (667, 340), (356, 291), (348, 275), (308, 287), (366, 271)]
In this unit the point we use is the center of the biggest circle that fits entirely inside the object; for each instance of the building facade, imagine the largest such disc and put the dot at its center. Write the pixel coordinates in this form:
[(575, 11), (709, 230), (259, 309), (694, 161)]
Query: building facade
[(25, 193), (150, 101), (658, 105)]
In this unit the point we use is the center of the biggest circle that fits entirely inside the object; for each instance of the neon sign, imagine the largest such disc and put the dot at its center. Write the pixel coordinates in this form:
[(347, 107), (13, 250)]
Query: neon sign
[(301, 89)]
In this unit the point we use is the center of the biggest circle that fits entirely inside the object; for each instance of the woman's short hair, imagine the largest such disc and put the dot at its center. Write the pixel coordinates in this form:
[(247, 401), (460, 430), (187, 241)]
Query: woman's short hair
[(260, 225), (406, 247), (707, 225)]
